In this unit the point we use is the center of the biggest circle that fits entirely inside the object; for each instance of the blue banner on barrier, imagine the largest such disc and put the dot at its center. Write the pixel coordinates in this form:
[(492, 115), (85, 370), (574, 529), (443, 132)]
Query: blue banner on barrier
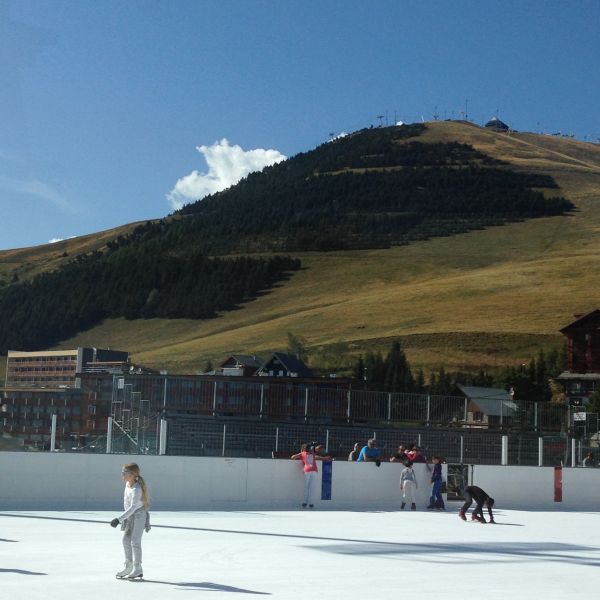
[(326, 480)]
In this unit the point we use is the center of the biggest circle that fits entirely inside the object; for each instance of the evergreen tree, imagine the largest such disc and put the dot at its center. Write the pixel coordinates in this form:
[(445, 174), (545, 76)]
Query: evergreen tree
[(358, 371), (398, 376), (297, 346), (420, 382), (375, 369)]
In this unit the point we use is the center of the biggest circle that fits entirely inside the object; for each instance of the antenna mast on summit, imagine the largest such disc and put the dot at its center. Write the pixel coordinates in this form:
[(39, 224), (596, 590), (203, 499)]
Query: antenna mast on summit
[(380, 117)]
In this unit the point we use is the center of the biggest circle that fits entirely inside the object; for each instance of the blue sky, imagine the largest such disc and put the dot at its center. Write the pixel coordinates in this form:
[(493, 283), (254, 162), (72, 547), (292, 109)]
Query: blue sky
[(114, 111)]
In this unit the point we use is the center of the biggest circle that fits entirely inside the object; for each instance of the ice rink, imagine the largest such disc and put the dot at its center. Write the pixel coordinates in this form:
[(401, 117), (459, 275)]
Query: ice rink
[(301, 554)]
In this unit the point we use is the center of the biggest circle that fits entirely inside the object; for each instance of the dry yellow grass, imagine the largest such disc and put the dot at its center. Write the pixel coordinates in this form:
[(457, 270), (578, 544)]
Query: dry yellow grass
[(28, 262), (486, 298)]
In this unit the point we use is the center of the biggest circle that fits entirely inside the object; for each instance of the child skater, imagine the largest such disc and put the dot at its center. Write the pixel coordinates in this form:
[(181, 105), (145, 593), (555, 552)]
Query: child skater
[(309, 458), (408, 484), (134, 520), (436, 500)]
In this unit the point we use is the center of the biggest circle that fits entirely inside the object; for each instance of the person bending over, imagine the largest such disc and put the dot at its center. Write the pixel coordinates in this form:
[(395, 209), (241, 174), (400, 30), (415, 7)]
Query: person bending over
[(481, 497)]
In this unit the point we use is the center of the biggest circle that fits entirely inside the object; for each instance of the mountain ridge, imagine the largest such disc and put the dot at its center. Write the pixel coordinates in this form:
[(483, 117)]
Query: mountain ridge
[(372, 299)]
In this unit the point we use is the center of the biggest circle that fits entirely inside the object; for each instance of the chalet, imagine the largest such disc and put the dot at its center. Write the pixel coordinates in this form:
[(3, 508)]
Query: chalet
[(241, 365), (284, 365), (489, 407), (582, 377)]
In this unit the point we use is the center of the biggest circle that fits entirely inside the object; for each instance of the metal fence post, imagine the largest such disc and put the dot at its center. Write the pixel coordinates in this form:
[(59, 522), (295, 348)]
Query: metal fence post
[(462, 449), (262, 398), (214, 409), (540, 451), (53, 434), (573, 450), (276, 439), (535, 416), (348, 408), (162, 444), (466, 413), (389, 407), (428, 410), (504, 459), (109, 431), (327, 440), (224, 437), (306, 404)]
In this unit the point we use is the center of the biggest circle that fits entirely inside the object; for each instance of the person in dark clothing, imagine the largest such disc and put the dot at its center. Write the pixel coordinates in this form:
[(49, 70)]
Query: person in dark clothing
[(436, 500), (353, 456), (400, 455), (481, 497)]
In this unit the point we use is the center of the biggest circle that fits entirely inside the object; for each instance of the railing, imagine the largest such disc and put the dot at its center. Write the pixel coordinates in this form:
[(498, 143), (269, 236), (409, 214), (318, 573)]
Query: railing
[(297, 401)]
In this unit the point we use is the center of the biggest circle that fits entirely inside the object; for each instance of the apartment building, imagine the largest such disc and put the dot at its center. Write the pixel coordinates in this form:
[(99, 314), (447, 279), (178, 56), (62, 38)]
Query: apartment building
[(60, 368)]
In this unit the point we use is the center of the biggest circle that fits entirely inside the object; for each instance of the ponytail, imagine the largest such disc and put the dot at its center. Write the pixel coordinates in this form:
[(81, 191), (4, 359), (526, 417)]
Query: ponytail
[(134, 469)]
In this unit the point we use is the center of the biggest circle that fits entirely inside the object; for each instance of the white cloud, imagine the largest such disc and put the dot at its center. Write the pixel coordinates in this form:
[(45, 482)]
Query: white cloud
[(226, 166)]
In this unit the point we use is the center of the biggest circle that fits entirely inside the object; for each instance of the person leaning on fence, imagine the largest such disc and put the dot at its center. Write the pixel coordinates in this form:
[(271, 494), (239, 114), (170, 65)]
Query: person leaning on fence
[(309, 458), (416, 455), (400, 455), (353, 456), (370, 453), (588, 461)]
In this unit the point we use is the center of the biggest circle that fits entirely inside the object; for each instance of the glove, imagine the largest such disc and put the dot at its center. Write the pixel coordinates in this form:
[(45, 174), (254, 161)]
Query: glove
[(378, 463), (114, 522)]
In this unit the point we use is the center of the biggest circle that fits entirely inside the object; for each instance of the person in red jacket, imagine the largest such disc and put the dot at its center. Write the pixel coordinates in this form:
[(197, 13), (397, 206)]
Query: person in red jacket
[(481, 497)]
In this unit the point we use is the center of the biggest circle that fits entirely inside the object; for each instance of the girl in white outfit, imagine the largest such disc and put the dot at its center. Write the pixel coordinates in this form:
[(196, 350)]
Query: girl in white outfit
[(134, 520), (408, 484)]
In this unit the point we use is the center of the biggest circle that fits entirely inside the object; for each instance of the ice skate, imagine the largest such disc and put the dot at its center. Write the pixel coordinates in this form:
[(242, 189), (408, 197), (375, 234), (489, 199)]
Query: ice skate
[(311, 506), (136, 573), (413, 506), (304, 505), (474, 517), (461, 514), (124, 572), (402, 506)]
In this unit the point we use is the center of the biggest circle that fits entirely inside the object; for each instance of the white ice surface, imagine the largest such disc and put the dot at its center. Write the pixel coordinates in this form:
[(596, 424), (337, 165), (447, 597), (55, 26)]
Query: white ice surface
[(325, 555)]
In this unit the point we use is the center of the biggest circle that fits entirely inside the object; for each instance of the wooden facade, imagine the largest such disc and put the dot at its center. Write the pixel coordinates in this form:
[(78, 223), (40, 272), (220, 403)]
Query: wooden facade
[(583, 343)]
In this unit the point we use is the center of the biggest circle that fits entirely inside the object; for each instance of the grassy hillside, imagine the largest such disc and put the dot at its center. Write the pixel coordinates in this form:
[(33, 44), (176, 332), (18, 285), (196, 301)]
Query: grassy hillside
[(487, 298), (25, 263)]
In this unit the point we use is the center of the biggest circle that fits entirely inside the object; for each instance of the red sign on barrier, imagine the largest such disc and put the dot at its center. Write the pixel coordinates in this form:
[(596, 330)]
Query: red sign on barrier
[(557, 484)]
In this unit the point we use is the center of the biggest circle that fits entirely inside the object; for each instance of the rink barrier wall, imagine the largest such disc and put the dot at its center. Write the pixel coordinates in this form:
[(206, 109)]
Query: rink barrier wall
[(55, 481)]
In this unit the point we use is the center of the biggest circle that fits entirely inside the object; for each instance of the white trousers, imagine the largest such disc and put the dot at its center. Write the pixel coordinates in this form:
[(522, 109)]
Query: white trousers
[(310, 483), (408, 491), (132, 537)]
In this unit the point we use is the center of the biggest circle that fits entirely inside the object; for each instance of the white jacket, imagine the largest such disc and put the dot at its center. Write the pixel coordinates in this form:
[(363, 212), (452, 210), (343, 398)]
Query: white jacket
[(132, 500)]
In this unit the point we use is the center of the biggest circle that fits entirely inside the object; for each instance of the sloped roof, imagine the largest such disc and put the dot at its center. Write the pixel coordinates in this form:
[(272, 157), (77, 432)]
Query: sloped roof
[(473, 392), (491, 401), (245, 360), (290, 362), (567, 375), (591, 319)]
